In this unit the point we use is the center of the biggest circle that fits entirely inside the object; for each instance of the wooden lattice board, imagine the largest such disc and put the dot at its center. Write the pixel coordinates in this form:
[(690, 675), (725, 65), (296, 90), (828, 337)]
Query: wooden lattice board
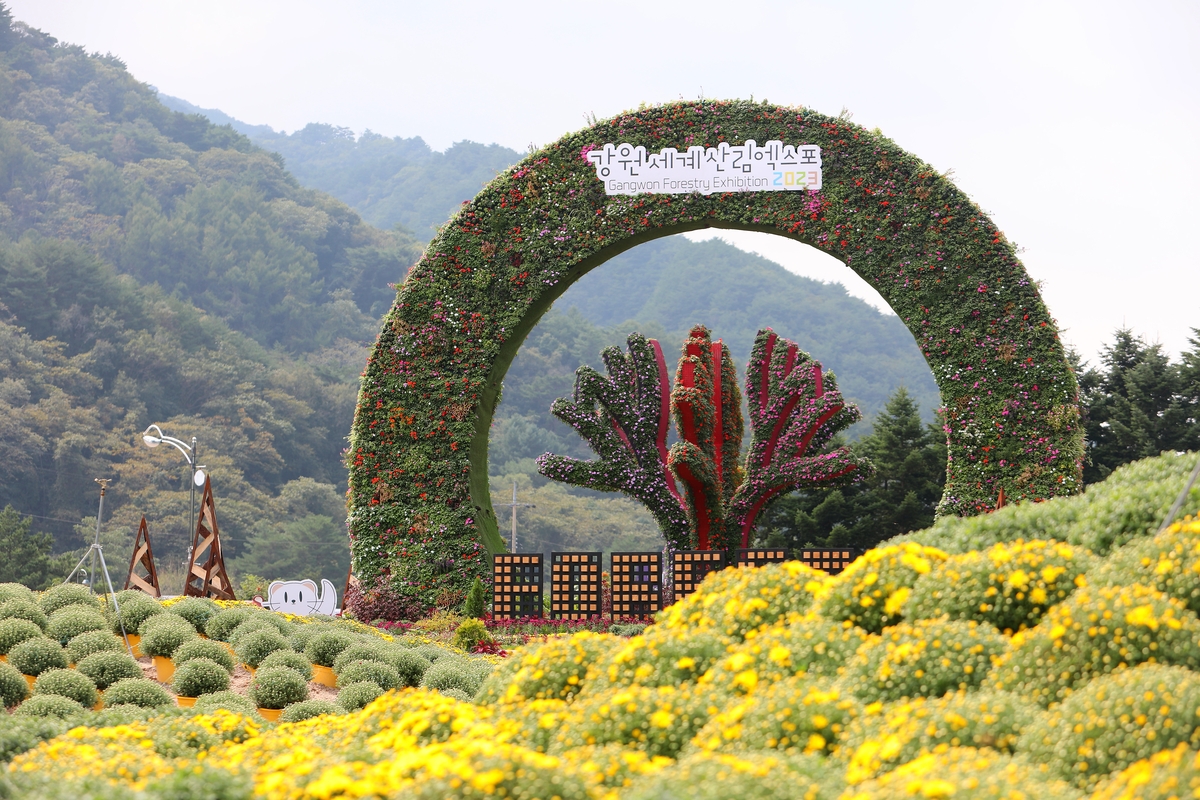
[(636, 584), (832, 560), (757, 556), (575, 590), (689, 568), (517, 585)]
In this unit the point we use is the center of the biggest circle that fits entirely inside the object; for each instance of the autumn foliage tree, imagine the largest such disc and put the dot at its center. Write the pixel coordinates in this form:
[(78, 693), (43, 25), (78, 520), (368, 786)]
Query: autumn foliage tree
[(701, 491)]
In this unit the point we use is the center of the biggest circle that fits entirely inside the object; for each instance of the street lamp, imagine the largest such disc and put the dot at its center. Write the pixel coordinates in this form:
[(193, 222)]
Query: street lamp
[(153, 437)]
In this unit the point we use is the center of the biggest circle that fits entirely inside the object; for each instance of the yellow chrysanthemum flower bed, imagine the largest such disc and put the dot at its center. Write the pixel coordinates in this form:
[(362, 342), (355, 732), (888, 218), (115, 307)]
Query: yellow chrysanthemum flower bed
[(770, 683)]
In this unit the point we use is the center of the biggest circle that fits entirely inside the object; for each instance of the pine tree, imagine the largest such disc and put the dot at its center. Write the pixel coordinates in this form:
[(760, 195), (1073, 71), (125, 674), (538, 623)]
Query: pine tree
[(27, 556), (475, 604)]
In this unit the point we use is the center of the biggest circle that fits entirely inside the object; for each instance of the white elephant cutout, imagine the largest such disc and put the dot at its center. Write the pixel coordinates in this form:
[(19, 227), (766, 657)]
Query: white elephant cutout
[(301, 598)]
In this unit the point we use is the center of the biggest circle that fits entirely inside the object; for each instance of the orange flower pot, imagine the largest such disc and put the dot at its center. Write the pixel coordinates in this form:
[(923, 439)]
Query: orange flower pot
[(99, 706), (250, 669), (324, 676), (164, 669), (270, 714), (185, 702), (134, 639), (29, 679), (4, 659)]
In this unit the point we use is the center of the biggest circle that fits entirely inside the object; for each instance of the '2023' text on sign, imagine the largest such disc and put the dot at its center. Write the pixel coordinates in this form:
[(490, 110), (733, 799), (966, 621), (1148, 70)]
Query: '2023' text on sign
[(773, 167)]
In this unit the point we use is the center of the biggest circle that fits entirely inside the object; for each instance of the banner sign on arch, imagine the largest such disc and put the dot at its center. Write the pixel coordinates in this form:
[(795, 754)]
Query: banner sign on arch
[(748, 167)]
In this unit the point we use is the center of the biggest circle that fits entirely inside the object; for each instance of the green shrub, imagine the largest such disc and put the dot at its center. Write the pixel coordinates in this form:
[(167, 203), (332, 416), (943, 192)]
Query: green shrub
[(1159, 777), (85, 644), (1097, 631), (203, 648), (133, 613), (476, 603), (924, 658), (326, 646), (307, 709), (965, 773), (200, 676), (50, 705), (1168, 562), (433, 652), (163, 634), (290, 659), (138, 692), (278, 687), (20, 734), (67, 594), (67, 683), (35, 656), (884, 737), (452, 673), (230, 701), (196, 610), (458, 695), (13, 688), (470, 634), (812, 646), (106, 668), (795, 715), (872, 591), (658, 721), (628, 629), (659, 657), (22, 609), (67, 623), (256, 645), (14, 631), (224, 621), (763, 596), (553, 670), (257, 621), (125, 713), (1114, 721), (299, 638), (1010, 585), (16, 591), (409, 665), (379, 673), (358, 695), (361, 651)]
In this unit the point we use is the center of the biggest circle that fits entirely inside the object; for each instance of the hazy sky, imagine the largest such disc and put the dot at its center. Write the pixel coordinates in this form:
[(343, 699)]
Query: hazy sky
[(1073, 124)]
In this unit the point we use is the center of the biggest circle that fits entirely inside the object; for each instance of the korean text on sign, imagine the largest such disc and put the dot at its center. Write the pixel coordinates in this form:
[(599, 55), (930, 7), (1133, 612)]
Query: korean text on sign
[(773, 167)]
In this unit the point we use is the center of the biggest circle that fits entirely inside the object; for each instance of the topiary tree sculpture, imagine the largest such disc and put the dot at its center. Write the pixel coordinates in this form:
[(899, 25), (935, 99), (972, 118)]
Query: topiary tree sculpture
[(795, 409)]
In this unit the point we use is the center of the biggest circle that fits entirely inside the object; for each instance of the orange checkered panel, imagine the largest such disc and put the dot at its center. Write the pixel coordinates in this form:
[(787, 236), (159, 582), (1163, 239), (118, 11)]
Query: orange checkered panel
[(517, 585), (757, 556), (829, 559), (690, 567), (636, 584), (575, 590)]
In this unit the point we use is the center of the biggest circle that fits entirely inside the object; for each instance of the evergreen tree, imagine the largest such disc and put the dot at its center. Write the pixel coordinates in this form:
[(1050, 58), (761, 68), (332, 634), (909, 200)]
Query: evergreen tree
[(475, 604), (910, 463), (27, 556)]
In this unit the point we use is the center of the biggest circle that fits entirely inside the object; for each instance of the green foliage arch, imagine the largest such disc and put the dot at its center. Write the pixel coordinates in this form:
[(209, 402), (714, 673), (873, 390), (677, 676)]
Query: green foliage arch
[(420, 510)]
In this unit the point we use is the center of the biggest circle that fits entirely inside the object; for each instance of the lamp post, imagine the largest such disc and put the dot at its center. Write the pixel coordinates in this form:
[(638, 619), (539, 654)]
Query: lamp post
[(153, 437)]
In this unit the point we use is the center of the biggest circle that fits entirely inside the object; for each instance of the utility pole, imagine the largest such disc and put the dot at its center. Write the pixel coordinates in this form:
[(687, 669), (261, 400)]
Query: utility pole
[(514, 505)]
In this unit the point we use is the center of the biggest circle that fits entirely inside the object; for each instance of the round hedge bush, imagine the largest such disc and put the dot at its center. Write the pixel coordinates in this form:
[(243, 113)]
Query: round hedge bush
[(290, 659), (67, 594), (50, 705), (409, 665), (924, 658), (452, 673), (196, 610), (13, 688), (67, 623), (23, 609), (227, 700), (67, 683), (377, 672), (199, 676), (299, 638), (1168, 562), (433, 652), (458, 695), (872, 591), (307, 709), (1009, 585), (107, 667), (1160, 777), (203, 648), (256, 645), (277, 687), (1114, 721), (324, 648), (257, 621), (358, 695), (16, 591), (811, 646), (163, 634), (35, 656), (14, 631), (85, 644), (133, 613), (965, 773), (137, 692), (553, 670), (224, 621), (1097, 631), (717, 776), (659, 657), (360, 651)]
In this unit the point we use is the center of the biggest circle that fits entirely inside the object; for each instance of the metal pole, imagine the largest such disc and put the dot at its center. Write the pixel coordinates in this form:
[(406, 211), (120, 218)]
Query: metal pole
[(1181, 499), (514, 518), (191, 534)]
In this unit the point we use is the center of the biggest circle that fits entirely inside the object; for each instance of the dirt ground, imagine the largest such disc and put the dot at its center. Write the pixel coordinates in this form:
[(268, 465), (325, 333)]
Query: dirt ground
[(240, 681)]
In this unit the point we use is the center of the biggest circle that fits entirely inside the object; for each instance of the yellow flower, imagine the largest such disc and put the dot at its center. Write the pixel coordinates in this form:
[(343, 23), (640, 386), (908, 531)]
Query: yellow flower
[(746, 680), (897, 601), (662, 719), (1142, 615)]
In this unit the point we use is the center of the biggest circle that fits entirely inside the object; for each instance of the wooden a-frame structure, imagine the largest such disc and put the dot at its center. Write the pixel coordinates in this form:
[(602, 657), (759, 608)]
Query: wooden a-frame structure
[(143, 556), (206, 572)]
